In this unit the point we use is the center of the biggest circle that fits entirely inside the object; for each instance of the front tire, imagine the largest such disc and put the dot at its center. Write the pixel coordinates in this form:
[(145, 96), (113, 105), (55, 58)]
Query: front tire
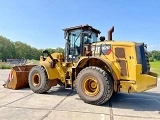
[(94, 85), (38, 80)]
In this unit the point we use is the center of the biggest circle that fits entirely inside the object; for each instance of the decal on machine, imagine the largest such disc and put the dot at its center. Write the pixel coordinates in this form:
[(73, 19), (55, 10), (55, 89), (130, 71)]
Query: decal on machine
[(104, 49)]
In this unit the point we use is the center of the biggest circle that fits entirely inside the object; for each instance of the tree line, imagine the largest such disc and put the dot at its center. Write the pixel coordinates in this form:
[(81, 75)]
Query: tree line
[(20, 50), (154, 55)]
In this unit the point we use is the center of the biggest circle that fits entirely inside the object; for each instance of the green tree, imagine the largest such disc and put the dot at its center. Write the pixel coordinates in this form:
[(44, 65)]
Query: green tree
[(36, 53), (20, 50), (7, 49), (26, 51), (154, 55), (50, 50), (59, 50)]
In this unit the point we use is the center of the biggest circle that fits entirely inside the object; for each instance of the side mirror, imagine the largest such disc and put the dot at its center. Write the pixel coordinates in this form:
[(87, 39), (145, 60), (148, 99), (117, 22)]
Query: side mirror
[(102, 38), (46, 52)]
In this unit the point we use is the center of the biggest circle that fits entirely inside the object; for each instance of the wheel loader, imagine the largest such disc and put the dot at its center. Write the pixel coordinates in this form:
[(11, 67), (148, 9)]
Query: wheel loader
[(96, 68)]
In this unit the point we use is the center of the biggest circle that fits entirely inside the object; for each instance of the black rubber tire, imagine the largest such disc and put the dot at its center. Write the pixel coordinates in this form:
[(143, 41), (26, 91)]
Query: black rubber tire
[(103, 78), (147, 59), (44, 83)]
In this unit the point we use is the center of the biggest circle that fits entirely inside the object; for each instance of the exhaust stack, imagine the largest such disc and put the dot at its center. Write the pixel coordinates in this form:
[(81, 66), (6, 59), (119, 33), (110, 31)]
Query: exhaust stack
[(110, 34)]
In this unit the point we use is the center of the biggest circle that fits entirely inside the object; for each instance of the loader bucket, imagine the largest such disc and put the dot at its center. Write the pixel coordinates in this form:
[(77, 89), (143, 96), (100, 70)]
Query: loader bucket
[(18, 77)]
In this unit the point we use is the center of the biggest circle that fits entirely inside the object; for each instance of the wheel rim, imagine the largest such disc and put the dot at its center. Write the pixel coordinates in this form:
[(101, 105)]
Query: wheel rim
[(36, 80), (90, 86)]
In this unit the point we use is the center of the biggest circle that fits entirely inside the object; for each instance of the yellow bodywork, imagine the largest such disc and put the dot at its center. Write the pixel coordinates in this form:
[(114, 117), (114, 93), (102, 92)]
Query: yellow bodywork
[(139, 82), (132, 81), (56, 72)]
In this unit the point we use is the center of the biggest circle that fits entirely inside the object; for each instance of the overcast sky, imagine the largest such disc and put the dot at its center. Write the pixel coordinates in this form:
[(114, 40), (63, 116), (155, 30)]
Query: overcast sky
[(39, 23)]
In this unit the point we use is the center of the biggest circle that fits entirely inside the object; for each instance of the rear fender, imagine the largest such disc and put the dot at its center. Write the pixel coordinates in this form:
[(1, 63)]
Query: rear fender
[(98, 62)]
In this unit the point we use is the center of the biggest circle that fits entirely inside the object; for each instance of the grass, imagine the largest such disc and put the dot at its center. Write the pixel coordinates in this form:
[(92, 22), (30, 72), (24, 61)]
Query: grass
[(32, 62), (155, 67), (4, 65)]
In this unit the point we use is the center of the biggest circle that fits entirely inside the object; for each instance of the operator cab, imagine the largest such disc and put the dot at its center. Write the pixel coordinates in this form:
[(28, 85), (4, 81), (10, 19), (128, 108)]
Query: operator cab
[(78, 41)]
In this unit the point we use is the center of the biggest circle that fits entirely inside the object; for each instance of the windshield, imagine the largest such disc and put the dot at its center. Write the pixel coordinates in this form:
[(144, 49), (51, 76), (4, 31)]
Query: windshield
[(89, 37), (76, 41)]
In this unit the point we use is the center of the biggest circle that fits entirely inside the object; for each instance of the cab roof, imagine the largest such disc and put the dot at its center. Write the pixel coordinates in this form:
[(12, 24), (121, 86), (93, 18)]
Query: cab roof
[(83, 27)]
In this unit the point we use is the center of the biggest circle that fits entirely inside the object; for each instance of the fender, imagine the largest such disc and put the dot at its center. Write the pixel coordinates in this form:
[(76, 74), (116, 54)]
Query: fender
[(110, 66)]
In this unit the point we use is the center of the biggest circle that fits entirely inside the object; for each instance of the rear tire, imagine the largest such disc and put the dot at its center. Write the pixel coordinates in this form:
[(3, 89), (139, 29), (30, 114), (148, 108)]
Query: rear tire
[(94, 85), (147, 58), (38, 80)]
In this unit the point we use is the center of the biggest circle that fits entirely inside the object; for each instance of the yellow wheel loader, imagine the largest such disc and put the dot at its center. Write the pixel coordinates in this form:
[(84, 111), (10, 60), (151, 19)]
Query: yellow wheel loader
[(96, 68)]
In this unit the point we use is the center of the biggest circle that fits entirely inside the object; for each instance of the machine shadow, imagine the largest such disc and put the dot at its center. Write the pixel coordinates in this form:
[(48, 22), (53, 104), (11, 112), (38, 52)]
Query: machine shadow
[(146, 101), (60, 91), (56, 90)]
